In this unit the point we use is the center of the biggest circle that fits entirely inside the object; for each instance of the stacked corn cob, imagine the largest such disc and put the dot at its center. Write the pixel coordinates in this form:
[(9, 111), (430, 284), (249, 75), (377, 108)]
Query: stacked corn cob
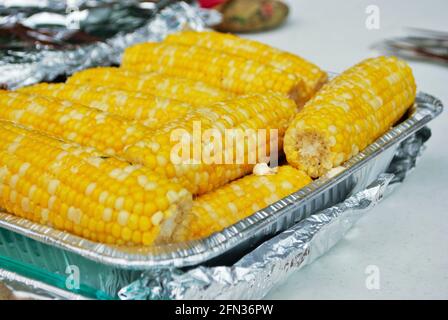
[(192, 92), (150, 110), (77, 190), (268, 112), (312, 77), (232, 73), (237, 200), (349, 113), (71, 121)]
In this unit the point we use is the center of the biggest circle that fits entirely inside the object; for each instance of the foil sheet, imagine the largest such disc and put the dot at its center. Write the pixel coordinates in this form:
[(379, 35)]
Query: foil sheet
[(271, 263), (52, 57)]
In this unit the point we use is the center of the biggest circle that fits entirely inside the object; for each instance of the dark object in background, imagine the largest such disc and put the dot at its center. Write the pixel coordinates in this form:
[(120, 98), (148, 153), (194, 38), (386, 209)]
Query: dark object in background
[(248, 15), (421, 44), (29, 27), (20, 37), (54, 38)]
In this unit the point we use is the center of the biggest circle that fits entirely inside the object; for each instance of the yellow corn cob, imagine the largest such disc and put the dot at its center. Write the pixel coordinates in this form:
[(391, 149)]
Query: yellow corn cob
[(147, 109), (75, 189), (193, 92), (308, 72), (349, 113), (70, 121), (237, 200), (236, 74), (273, 111)]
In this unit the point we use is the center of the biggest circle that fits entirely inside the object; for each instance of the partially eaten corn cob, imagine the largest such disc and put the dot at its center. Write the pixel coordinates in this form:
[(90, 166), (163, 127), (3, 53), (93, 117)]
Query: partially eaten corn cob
[(193, 92), (237, 200), (152, 111), (70, 121), (216, 162), (309, 73), (349, 113), (78, 190), (233, 73)]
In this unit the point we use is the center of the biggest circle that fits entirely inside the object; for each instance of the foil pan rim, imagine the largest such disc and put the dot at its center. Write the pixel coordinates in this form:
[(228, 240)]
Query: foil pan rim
[(426, 108)]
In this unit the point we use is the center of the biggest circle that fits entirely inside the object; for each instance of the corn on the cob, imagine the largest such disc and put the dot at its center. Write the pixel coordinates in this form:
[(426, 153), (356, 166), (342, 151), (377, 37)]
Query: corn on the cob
[(237, 200), (78, 190), (311, 75), (70, 121), (152, 111), (193, 92), (236, 74), (349, 113), (216, 163)]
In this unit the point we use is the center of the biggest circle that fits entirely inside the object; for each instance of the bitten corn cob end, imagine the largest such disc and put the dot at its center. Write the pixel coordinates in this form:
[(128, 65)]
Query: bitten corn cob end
[(237, 200), (349, 113)]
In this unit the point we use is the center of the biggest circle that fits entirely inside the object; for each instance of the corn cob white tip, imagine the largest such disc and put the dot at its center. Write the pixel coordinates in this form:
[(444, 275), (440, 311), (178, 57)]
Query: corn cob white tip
[(334, 172), (263, 169)]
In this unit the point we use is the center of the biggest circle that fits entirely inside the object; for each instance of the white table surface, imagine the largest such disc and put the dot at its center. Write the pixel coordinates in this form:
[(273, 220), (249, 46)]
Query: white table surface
[(406, 236)]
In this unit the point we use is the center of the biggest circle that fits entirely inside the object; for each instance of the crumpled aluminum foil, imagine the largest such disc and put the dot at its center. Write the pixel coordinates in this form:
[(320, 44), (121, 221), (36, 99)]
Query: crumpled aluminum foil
[(272, 262), (25, 68)]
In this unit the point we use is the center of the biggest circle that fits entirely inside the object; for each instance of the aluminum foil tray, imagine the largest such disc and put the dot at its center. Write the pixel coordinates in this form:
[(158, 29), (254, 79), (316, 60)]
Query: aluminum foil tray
[(40, 251)]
